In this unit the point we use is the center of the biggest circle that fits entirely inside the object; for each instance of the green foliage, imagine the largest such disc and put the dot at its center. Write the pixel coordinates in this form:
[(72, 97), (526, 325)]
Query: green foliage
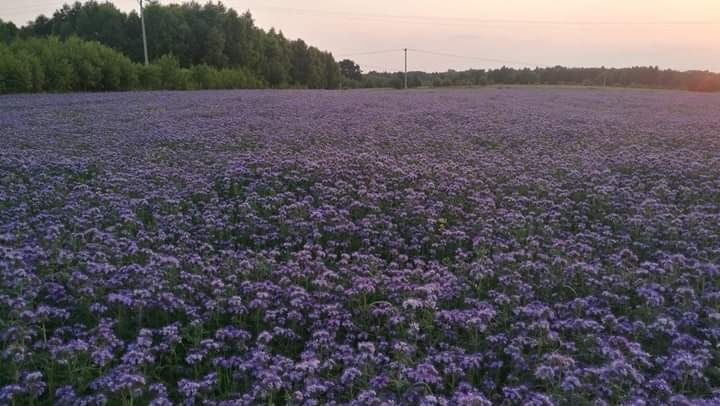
[(215, 47), (195, 34), (639, 76), (8, 31), (49, 64), (202, 76), (350, 69), (149, 77), (52, 65), (171, 75), (235, 79), (15, 72), (333, 78)]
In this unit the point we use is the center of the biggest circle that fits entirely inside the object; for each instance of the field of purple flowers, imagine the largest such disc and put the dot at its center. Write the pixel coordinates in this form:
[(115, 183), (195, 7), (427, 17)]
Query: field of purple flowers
[(471, 247)]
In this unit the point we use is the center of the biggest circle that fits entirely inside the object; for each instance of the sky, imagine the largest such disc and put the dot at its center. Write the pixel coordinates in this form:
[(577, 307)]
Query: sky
[(462, 34)]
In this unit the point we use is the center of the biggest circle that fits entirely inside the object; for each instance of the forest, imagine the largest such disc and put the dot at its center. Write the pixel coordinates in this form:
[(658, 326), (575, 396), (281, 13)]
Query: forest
[(94, 46), (639, 76), (208, 41)]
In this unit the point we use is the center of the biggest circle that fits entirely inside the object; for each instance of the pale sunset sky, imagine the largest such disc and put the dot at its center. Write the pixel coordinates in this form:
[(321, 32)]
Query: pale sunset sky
[(680, 34)]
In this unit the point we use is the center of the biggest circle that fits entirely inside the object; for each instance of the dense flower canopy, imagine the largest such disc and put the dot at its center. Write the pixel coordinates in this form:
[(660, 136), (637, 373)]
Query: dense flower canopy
[(516, 246)]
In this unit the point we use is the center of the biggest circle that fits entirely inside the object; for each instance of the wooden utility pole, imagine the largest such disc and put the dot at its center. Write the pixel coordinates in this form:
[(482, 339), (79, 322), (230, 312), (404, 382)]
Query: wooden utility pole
[(142, 22), (405, 68)]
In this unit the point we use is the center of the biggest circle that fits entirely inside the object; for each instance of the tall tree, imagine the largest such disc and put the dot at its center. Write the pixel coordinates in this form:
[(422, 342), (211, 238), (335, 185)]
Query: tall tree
[(8, 31), (195, 34), (350, 69)]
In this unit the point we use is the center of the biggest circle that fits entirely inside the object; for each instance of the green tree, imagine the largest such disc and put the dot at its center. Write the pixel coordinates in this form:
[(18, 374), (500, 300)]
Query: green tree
[(172, 76), (332, 72), (15, 72), (40, 27), (275, 59), (101, 22), (300, 62), (8, 31), (350, 69), (209, 34)]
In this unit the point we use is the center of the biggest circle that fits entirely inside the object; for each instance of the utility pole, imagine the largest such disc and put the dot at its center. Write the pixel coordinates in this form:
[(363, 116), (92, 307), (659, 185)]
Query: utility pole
[(405, 68), (142, 22)]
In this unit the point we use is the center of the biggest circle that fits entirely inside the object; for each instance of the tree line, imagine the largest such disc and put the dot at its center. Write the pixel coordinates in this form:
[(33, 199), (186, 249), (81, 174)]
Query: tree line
[(639, 76), (195, 35), (52, 65), (194, 46)]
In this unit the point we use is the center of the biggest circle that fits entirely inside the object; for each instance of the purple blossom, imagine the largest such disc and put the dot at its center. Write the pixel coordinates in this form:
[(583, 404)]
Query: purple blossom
[(480, 246)]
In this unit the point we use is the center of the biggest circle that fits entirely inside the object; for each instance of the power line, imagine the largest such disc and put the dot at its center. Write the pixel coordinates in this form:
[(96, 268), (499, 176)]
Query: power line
[(465, 20), (415, 19), (368, 53), (476, 58), (383, 68), (428, 52)]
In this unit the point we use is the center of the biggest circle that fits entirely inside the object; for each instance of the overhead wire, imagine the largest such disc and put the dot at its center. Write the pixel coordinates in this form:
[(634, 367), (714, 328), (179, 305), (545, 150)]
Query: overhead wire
[(386, 51), (468, 20), (415, 19), (422, 51), (381, 68), (431, 19), (444, 54)]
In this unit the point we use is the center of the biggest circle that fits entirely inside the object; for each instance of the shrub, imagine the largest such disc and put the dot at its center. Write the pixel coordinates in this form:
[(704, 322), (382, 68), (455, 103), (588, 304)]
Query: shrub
[(52, 65), (149, 77), (15, 75)]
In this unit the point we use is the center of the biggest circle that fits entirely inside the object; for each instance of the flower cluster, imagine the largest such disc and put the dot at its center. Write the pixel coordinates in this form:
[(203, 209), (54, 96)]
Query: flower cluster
[(472, 247)]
